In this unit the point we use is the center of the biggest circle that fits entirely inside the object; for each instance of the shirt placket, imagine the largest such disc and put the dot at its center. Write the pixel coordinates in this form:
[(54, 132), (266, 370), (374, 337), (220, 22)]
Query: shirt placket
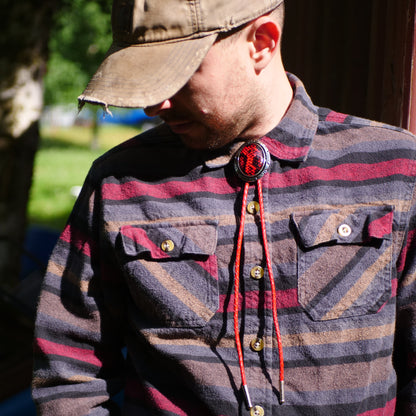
[(260, 312), (258, 340)]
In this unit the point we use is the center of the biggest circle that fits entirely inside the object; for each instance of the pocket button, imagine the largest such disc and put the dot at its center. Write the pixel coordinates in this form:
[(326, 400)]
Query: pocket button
[(167, 246), (344, 230)]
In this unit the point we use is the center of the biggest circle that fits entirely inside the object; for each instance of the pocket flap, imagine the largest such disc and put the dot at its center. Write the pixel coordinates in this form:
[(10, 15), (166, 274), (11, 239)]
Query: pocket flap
[(343, 227), (170, 240)]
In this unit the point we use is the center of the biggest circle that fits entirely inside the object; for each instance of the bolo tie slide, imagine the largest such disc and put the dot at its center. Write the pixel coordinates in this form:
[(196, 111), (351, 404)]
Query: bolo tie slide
[(251, 162)]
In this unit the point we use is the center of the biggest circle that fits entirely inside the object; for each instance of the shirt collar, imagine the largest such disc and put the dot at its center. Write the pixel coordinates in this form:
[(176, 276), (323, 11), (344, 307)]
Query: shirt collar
[(291, 139)]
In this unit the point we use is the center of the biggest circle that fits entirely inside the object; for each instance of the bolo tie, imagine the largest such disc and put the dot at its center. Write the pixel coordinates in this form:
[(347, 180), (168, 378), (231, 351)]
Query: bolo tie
[(251, 162)]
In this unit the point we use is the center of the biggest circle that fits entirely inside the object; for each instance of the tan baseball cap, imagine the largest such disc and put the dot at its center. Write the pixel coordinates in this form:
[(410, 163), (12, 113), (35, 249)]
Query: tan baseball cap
[(159, 44)]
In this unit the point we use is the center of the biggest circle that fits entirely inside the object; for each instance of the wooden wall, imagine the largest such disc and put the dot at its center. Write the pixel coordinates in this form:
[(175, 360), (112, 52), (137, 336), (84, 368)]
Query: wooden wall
[(354, 56)]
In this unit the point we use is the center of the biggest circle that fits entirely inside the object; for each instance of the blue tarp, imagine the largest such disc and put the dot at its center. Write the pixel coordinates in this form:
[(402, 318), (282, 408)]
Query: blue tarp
[(38, 246), (39, 243), (20, 404), (131, 117)]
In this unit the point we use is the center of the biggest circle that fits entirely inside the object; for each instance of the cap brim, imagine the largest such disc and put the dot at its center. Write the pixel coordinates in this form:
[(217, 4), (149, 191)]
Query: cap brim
[(142, 75)]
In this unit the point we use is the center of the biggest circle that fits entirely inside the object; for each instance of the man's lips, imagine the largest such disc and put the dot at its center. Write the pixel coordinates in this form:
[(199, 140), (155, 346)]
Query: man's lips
[(179, 127)]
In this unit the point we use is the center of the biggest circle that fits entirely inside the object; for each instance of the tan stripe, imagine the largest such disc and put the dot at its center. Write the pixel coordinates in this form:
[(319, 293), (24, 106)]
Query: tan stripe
[(213, 374), (69, 406), (51, 302), (174, 287), (224, 254), (80, 379), (338, 337), (360, 286), (304, 378), (59, 270), (224, 220), (228, 376), (284, 251), (289, 340), (56, 268), (343, 141), (77, 378), (409, 279), (344, 208), (328, 228), (40, 381), (336, 377), (156, 339), (310, 287)]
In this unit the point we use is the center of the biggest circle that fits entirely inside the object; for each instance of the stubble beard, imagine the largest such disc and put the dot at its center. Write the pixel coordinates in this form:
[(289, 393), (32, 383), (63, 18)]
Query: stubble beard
[(217, 132)]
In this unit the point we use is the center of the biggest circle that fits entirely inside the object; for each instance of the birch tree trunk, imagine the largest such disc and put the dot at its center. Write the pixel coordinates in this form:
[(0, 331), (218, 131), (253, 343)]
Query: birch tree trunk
[(23, 55)]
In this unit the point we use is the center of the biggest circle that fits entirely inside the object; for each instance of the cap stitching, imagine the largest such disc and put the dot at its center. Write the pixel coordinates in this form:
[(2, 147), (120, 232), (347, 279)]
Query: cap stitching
[(194, 15)]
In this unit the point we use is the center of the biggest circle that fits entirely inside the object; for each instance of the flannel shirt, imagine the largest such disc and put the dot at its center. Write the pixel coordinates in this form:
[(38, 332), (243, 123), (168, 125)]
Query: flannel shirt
[(138, 296)]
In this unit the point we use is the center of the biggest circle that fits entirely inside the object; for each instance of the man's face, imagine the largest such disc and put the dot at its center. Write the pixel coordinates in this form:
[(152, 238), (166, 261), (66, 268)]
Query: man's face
[(218, 103)]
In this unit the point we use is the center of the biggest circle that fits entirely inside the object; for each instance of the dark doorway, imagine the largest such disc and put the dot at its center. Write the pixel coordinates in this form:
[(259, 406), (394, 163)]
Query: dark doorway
[(354, 56)]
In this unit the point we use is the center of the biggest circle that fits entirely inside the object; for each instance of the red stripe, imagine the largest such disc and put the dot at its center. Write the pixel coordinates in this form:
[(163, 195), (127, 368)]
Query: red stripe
[(336, 117), (138, 391), (254, 300), (279, 149), (394, 285), (353, 172), (381, 226), (388, 410), (119, 192), (393, 293), (207, 266), (153, 397), (76, 239), (81, 354), (139, 236), (162, 402), (410, 247), (347, 172)]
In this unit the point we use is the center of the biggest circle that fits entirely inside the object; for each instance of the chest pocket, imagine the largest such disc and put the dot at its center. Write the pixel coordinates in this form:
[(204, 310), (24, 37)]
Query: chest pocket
[(344, 261), (171, 271)]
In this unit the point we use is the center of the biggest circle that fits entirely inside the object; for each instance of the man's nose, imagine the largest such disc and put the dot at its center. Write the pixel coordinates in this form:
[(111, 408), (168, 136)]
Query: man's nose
[(155, 110)]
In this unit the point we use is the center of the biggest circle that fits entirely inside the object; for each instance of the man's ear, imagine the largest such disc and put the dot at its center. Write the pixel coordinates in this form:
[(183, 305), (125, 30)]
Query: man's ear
[(264, 37)]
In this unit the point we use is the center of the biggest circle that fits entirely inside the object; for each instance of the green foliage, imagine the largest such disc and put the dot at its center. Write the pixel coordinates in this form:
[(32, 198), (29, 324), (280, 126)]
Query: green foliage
[(79, 40), (61, 163)]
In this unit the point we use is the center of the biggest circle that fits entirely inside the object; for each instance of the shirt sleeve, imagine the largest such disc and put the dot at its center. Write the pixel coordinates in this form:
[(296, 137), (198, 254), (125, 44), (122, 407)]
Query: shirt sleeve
[(405, 338), (78, 360)]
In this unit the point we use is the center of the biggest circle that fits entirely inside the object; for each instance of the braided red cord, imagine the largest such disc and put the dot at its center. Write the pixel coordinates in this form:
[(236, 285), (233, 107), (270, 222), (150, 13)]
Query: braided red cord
[(237, 285), (272, 285)]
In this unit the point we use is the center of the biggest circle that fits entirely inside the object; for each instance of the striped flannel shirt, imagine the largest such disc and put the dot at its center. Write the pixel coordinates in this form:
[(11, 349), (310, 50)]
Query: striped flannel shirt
[(138, 296)]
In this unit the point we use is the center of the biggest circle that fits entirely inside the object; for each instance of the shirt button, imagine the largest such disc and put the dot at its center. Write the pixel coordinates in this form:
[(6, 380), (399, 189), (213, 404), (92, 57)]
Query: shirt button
[(253, 207), (257, 272), (167, 246), (344, 230), (257, 344), (256, 411)]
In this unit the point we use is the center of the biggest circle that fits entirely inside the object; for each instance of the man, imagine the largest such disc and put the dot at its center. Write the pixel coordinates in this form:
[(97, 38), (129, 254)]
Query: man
[(253, 255)]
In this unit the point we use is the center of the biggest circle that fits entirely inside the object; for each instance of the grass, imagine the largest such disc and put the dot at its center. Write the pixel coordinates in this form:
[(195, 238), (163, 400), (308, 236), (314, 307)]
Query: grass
[(62, 162)]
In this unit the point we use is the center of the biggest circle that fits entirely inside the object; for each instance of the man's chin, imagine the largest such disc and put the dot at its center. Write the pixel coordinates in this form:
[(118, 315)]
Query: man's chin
[(196, 136), (203, 142)]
